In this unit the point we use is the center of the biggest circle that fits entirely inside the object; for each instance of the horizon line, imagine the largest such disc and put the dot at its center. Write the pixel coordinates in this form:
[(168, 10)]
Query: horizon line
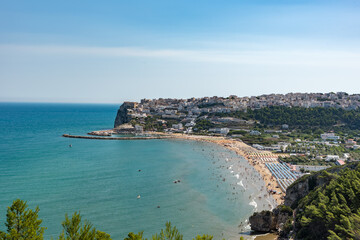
[(113, 103)]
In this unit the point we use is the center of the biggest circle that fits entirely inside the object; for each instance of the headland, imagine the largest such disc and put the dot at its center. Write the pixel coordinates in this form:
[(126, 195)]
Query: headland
[(282, 136)]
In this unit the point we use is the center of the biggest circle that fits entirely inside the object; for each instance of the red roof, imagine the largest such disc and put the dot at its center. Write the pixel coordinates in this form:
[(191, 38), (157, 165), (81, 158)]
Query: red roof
[(341, 162)]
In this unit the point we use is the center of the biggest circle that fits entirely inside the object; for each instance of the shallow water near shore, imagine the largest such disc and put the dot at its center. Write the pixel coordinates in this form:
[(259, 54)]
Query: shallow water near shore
[(218, 190)]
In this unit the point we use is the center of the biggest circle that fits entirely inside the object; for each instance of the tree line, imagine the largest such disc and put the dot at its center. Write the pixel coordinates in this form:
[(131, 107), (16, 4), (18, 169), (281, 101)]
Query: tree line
[(23, 223), (300, 117)]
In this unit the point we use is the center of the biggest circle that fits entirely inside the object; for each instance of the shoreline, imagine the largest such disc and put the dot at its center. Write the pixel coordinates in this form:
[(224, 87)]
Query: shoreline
[(244, 150), (247, 152), (252, 155)]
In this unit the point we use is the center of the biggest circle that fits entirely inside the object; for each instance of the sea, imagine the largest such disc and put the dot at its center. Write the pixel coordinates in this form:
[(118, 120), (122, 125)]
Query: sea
[(217, 192)]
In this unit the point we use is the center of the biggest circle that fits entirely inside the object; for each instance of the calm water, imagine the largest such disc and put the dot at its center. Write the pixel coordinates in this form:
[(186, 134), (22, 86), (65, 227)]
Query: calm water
[(101, 178)]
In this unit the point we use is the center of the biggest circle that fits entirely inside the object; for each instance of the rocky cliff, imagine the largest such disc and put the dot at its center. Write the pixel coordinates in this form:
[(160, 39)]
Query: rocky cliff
[(123, 114), (282, 219), (270, 221), (302, 187)]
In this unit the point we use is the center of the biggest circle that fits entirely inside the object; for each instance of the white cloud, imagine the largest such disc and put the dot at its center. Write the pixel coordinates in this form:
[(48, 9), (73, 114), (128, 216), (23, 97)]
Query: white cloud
[(254, 57)]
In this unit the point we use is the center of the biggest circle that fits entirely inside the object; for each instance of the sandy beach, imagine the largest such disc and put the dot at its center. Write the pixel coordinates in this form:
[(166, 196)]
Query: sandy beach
[(246, 177), (252, 155)]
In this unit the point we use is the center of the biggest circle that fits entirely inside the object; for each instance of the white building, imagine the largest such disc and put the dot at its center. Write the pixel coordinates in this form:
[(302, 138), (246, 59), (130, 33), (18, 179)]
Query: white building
[(310, 167), (178, 126), (258, 146), (190, 124), (255, 132), (139, 128), (189, 130), (223, 131), (170, 112), (332, 157), (329, 136)]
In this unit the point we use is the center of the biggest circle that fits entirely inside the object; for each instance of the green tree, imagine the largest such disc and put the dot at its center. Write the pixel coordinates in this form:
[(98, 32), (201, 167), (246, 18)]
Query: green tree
[(333, 210), (102, 235), (133, 236), (73, 229), (22, 223), (170, 233), (203, 237)]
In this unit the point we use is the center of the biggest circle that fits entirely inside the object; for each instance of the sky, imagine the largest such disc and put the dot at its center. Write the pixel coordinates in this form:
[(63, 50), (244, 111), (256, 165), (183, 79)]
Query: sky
[(115, 51)]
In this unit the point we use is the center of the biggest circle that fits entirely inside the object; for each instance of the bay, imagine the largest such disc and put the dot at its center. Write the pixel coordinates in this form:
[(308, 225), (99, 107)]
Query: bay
[(101, 179)]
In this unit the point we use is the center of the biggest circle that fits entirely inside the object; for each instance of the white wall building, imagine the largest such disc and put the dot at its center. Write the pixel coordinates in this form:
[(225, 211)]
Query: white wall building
[(178, 126), (332, 157), (223, 131), (329, 136)]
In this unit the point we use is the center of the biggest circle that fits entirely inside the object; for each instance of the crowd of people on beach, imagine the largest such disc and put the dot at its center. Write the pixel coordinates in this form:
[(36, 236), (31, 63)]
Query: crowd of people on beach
[(253, 156), (242, 181)]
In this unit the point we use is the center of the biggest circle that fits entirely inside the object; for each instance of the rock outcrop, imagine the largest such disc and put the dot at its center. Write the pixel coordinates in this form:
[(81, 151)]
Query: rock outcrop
[(264, 221), (282, 219), (101, 133), (303, 186), (270, 221), (123, 114), (125, 128)]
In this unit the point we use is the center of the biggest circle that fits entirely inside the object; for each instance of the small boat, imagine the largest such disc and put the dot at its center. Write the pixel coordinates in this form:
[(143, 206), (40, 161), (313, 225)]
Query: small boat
[(138, 197), (70, 145)]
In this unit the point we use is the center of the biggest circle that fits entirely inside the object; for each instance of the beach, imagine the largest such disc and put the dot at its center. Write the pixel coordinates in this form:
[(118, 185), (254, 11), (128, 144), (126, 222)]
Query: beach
[(244, 150), (252, 155), (236, 173), (101, 178)]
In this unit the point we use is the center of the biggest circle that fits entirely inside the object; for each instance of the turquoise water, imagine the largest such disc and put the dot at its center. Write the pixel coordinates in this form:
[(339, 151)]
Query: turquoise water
[(101, 178)]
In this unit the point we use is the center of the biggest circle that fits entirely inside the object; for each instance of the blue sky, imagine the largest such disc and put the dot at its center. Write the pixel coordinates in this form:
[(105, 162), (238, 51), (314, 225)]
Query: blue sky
[(111, 51)]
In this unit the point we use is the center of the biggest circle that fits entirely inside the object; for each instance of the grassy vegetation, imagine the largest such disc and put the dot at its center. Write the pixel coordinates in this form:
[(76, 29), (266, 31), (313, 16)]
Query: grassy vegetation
[(265, 140), (203, 124)]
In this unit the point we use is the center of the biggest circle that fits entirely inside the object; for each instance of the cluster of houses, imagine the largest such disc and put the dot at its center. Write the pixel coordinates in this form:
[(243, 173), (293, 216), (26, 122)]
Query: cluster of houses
[(184, 113), (190, 109), (349, 143), (327, 139), (194, 106)]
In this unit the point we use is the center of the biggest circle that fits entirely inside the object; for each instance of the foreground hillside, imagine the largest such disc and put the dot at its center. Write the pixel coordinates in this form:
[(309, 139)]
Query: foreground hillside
[(324, 205)]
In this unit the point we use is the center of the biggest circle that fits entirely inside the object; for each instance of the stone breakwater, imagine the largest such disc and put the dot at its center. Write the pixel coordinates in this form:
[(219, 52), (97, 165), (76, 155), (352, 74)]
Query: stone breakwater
[(114, 138)]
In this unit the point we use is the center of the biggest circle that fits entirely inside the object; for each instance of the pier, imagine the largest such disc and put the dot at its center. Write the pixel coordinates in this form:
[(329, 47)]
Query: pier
[(114, 138)]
